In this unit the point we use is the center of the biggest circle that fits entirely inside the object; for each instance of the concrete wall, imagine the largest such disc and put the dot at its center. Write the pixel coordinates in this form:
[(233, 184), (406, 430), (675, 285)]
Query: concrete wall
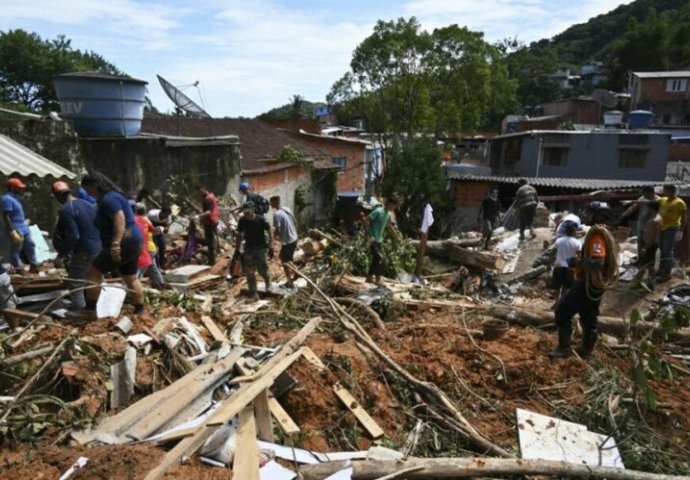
[(161, 164), (594, 155)]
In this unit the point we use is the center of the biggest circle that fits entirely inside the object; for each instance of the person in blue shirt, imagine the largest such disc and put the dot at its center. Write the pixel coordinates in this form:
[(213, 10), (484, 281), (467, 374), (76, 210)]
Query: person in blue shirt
[(76, 239), (121, 239), (17, 229)]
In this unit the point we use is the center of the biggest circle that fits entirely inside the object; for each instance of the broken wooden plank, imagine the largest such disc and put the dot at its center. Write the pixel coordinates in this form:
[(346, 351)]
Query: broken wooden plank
[(363, 417), (213, 329), (263, 417), (285, 422), (179, 391), (245, 465), (312, 358), (118, 395), (240, 399), (186, 274)]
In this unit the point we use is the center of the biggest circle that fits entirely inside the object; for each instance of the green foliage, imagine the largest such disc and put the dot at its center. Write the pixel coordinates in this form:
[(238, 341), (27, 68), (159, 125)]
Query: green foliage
[(415, 174), (354, 258), (297, 109), (404, 81), (290, 154), (531, 68), (28, 64)]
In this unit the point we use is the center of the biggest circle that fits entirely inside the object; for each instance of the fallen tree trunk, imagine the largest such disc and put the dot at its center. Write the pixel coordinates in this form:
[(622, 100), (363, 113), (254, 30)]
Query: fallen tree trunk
[(425, 468), (611, 325), (454, 251)]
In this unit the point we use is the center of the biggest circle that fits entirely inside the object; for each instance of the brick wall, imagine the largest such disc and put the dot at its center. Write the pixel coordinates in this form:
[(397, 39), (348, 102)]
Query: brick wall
[(679, 152), (654, 90), (353, 176), (467, 199), (575, 110)]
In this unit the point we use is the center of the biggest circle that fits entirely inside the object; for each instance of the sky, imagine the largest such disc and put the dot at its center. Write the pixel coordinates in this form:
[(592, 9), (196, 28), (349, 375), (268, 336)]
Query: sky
[(253, 55)]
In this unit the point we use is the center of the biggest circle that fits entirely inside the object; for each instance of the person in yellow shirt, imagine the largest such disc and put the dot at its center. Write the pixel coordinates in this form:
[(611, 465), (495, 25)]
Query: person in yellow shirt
[(673, 216)]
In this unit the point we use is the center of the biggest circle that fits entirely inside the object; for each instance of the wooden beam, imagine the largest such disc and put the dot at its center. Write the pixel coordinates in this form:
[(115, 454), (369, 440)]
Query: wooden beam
[(262, 413), (312, 358), (239, 400), (245, 464), (285, 422), (492, 467), (363, 417), (213, 329)]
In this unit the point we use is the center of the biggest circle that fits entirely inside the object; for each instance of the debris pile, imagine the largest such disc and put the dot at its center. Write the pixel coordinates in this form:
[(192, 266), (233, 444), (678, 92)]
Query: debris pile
[(339, 378)]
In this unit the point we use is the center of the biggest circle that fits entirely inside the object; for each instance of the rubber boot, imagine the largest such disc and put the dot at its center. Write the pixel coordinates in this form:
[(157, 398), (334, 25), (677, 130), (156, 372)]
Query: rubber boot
[(563, 350), (589, 340)]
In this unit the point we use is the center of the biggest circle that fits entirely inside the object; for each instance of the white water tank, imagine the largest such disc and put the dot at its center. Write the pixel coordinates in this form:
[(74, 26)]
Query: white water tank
[(613, 118)]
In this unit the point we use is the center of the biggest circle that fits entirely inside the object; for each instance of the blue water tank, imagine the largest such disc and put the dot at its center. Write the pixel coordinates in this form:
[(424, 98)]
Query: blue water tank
[(640, 119), (101, 105)]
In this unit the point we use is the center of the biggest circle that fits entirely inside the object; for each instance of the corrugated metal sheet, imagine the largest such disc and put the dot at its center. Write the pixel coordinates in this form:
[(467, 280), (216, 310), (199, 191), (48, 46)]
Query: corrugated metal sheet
[(571, 183), (17, 159)]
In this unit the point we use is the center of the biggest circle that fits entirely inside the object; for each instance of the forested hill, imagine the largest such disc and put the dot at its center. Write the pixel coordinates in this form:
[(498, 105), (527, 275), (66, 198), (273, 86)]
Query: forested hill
[(595, 39)]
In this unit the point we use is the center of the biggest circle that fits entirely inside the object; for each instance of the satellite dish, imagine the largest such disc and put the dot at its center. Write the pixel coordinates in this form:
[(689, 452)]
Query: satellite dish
[(182, 101), (605, 98)]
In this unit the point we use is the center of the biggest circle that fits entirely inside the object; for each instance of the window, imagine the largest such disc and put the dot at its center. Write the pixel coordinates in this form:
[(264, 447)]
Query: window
[(676, 85), (632, 158), (341, 162), (554, 156)]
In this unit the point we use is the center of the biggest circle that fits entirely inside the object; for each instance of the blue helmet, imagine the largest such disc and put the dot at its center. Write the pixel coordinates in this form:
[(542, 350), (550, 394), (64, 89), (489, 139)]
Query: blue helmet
[(244, 186)]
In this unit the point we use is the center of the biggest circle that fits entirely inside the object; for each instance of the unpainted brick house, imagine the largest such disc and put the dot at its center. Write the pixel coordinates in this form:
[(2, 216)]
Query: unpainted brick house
[(666, 94)]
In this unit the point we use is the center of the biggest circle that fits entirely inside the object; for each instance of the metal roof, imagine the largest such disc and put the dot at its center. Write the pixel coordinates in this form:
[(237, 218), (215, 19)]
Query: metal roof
[(675, 74), (573, 183), (17, 159)]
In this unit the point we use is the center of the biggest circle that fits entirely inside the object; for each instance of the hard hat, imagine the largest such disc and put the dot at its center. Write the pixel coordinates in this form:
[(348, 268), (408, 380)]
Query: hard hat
[(16, 183), (60, 187), (244, 186)]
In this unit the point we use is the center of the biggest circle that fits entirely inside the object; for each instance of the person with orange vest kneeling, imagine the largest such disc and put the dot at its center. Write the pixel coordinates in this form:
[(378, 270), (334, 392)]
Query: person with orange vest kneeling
[(595, 268)]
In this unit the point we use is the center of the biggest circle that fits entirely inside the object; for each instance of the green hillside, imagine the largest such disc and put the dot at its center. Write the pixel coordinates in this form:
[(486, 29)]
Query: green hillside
[(297, 109)]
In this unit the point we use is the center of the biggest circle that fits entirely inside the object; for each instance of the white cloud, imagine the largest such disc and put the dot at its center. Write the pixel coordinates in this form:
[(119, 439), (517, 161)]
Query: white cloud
[(250, 56)]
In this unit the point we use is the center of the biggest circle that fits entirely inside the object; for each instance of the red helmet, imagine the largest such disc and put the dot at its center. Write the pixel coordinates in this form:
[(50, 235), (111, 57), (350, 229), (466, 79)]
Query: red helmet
[(16, 183), (60, 187)]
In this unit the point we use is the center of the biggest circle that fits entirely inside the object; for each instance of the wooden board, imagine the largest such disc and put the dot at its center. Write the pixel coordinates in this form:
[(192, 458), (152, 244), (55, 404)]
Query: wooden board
[(245, 465), (238, 401), (312, 358), (263, 417), (213, 329), (285, 422), (362, 416), (186, 274)]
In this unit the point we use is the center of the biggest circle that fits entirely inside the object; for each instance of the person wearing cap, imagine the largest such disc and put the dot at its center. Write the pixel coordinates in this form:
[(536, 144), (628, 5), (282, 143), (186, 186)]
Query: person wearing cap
[(209, 220), (377, 222), (75, 239), (17, 229), (258, 243), (122, 243), (594, 268), (261, 205)]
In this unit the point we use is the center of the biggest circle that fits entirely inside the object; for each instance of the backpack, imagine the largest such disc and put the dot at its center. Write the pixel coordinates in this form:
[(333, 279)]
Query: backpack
[(261, 204)]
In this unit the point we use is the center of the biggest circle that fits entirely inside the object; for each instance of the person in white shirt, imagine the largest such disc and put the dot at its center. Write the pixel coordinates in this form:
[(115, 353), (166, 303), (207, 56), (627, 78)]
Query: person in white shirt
[(427, 222), (566, 247), (285, 230)]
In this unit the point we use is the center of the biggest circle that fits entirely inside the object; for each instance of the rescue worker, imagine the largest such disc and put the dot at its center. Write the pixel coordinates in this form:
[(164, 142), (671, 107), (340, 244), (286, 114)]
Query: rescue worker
[(122, 244), (527, 201), (673, 213), (76, 239), (255, 231), (377, 222), (285, 231), (594, 269), (209, 220), (261, 205), (488, 217), (17, 229)]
